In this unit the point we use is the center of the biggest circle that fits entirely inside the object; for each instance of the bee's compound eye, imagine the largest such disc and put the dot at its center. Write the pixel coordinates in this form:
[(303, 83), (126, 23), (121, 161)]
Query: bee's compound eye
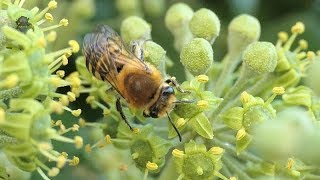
[(168, 90)]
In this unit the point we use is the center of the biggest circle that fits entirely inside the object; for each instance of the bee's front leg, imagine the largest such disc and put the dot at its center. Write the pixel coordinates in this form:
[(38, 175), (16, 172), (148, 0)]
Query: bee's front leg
[(175, 83), (119, 109)]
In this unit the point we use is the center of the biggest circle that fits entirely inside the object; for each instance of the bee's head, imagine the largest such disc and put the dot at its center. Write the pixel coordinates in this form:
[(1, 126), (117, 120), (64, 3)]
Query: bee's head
[(163, 104)]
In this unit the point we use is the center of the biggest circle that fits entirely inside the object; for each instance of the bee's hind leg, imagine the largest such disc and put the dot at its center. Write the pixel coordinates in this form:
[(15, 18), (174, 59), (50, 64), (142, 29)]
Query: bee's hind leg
[(119, 109)]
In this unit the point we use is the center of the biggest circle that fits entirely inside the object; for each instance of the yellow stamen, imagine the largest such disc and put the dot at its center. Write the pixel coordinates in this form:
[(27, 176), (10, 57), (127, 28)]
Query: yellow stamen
[(52, 5), (298, 28), (75, 127), (241, 134), (311, 55), (60, 73), (76, 112), (11, 81), (203, 78), (64, 22), (216, 150), (61, 161), (87, 148), (75, 161), (82, 122), (283, 36), (177, 153), (71, 96), (151, 166), (135, 130), (74, 45), (78, 142), (64, 100), (203, 104), (52, 36), (107, 139), (244, 97), (278, 90), (303, 44), (48, 17), (53, 172)]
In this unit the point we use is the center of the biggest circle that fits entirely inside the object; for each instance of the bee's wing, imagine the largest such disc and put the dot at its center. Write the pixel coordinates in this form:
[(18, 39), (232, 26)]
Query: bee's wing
[(106, 55), (119, 54)]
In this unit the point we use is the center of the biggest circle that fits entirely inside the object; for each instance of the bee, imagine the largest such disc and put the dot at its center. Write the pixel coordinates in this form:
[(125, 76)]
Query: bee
[(23, 24), (139, 83)]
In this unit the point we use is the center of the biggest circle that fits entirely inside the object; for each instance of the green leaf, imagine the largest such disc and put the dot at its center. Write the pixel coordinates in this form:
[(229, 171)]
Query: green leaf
[(233, 117), (202, 126)]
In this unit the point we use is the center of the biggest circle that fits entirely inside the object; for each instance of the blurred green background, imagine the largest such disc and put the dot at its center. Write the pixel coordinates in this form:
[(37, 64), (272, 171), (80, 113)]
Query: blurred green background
[(84, 15)]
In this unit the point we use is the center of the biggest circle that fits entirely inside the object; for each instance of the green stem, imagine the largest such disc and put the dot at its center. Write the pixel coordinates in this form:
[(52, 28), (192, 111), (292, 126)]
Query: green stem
[(234, 168), (226, 138), (254, 90), (225, 170), (230, 62), (221, 176), (42, 174), (145, 174), (221, 129), (246, 155), (11, 93), (242, 82)]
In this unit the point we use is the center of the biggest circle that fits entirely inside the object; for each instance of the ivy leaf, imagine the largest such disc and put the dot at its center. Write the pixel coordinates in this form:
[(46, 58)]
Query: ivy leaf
[(201, 124)]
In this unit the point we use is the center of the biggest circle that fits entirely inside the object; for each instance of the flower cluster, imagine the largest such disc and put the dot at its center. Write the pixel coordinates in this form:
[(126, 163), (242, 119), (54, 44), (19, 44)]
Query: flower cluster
[(230, 105), (253, 114), (29, 78)]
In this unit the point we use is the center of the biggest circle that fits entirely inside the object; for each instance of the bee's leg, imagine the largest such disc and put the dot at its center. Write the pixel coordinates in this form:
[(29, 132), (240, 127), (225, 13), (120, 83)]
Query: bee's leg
[(119, 109), (137, 49), (175, 83)]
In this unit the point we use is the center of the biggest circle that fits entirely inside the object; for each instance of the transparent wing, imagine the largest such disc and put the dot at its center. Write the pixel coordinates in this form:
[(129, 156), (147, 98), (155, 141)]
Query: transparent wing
[(106, 55)]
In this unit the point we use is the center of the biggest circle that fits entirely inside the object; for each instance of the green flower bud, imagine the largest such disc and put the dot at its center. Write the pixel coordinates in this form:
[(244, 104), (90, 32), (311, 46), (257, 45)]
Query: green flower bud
[(243, 30), (300, 96), (129, 8), (205, 24), (133, 28), (178, 17), (4, 21), (233, 117), (154, 53), (261, 57), (197, 162), (197, 56), (83, 8), (154, 8)]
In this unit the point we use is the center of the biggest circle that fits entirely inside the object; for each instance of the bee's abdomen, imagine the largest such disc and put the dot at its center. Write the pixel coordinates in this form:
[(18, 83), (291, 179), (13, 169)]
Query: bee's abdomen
[(140, 89)]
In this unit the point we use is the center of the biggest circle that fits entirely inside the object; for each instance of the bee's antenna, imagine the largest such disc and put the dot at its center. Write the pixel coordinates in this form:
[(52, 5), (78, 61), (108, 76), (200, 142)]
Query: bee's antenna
[(184, 101), (174, 126)]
